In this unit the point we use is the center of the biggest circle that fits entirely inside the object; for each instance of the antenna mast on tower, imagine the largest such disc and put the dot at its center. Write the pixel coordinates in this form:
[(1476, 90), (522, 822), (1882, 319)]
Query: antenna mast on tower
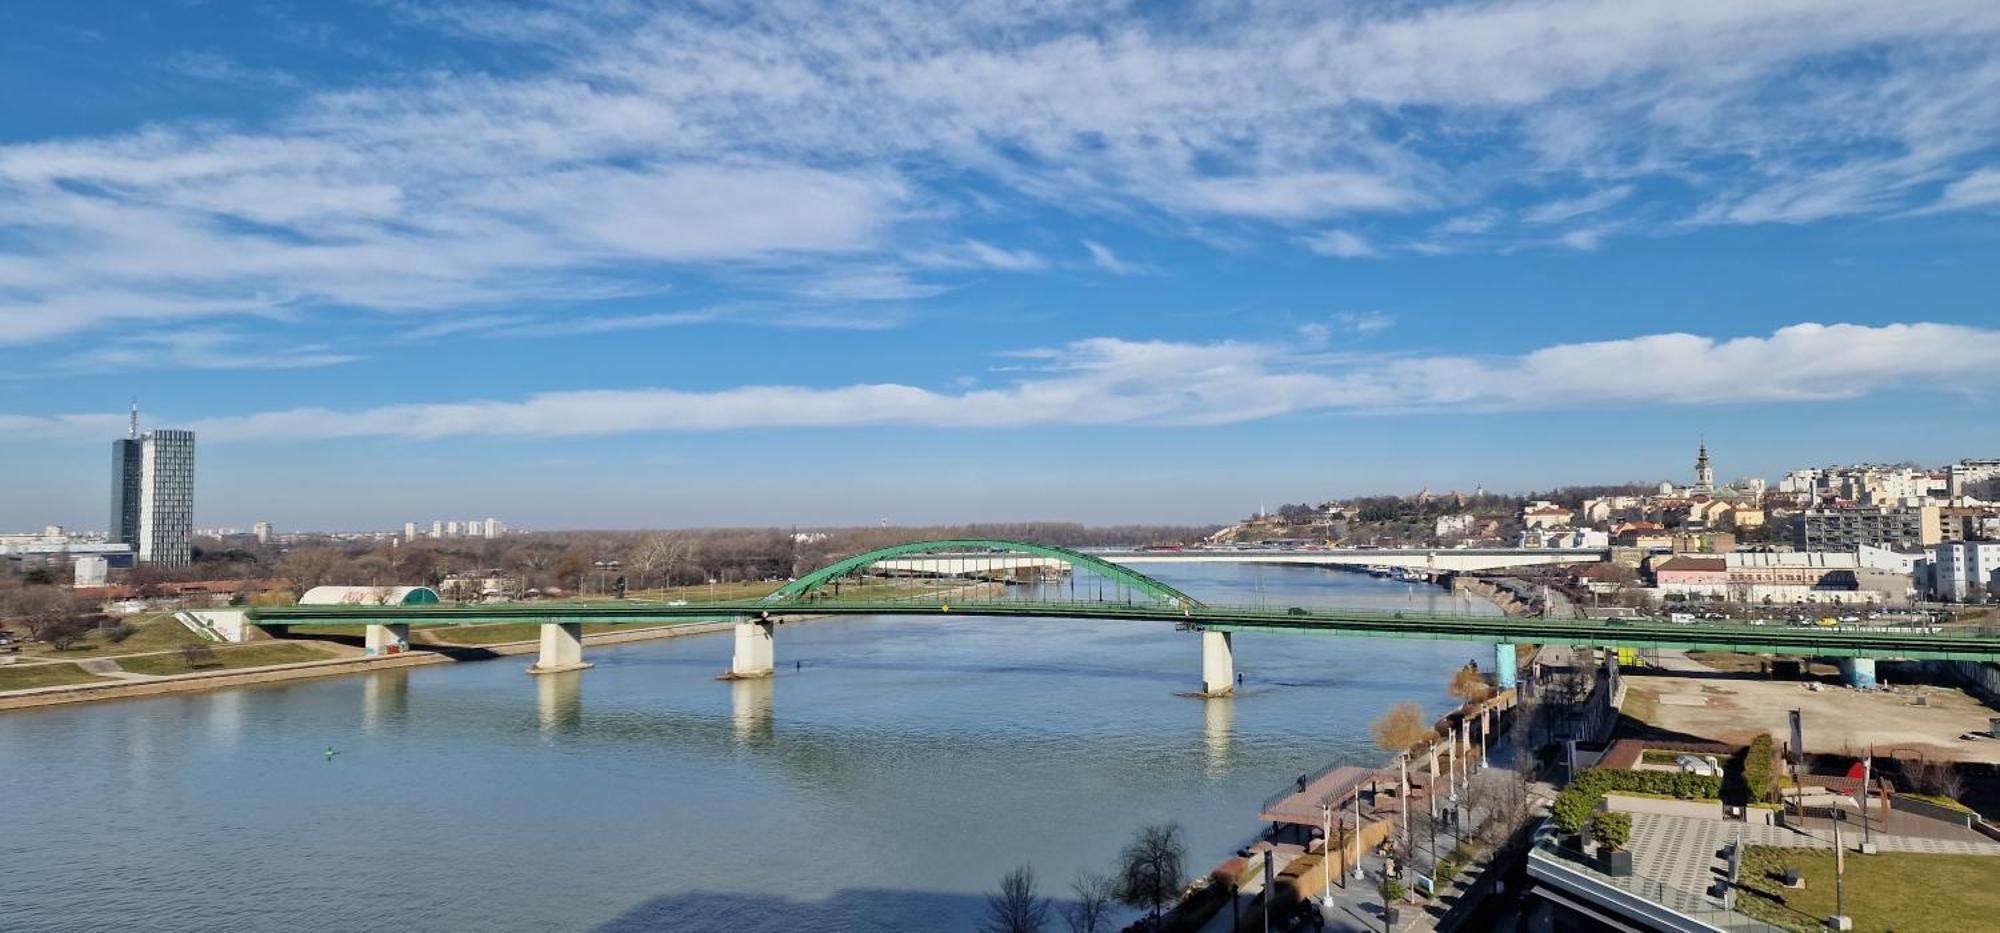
[(134, 432)]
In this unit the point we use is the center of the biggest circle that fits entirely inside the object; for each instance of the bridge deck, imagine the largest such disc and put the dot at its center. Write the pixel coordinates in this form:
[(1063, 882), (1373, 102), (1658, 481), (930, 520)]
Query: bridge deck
[(1964, 644)]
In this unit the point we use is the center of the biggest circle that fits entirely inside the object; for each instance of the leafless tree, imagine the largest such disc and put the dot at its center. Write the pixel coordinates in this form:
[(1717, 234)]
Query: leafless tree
[(1942, 779), (307, 567), (1468, 685), (1401, 727), (1090, 909), (1016, 909), (1503, 794), (197, 655), (1151, 868)]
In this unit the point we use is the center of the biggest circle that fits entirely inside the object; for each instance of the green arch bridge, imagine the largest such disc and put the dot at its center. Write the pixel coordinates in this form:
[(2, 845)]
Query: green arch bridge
[(987, 577)]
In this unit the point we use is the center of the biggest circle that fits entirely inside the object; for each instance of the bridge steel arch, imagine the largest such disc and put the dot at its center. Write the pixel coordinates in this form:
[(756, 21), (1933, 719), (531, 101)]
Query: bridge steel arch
[(801, 588)]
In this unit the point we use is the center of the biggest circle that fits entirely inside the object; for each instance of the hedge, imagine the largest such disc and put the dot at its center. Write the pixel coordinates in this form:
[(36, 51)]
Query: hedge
[(1575, 804)]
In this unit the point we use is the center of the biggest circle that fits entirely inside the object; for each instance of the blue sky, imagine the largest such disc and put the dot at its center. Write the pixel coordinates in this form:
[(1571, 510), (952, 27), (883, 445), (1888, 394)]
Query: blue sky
[(607, 264)]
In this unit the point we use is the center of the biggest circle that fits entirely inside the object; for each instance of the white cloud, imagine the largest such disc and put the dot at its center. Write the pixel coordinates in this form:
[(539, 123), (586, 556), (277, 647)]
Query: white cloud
[(202, 349), (1584, 239), (798, 141), (1340, 243), (1159, 383), (1979, 189), (1111, 262), (1363, 323), (1570, 208), (976, 254)]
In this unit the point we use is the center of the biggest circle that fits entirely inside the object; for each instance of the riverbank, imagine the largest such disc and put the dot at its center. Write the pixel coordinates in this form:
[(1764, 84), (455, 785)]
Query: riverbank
[(435, 653)]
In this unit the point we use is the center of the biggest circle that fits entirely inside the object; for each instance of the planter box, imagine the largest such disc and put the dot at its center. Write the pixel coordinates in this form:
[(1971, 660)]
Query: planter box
[(1615, 862)]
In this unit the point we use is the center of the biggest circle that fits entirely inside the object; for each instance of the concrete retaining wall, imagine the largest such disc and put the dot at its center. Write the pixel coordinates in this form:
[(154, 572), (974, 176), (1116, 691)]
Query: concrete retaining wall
[(1693, 809)]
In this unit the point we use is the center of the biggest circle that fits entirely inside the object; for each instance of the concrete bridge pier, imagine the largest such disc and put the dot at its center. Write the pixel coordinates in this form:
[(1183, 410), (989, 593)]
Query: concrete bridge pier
[(754, 650), (1218, 665), (562, 649), (1503, 665), (390, 638), (1858, 672)]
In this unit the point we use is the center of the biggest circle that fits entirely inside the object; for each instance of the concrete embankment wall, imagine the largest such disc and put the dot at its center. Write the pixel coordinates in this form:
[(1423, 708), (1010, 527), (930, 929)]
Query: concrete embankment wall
[(1499, 596), (215, 680)]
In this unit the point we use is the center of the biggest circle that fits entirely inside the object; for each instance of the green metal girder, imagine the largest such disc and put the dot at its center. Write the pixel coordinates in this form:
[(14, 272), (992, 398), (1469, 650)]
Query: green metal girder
[(800, 588), (1955, 645)]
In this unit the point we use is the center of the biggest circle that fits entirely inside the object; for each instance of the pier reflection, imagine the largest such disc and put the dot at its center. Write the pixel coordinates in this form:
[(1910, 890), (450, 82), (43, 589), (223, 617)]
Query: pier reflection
[(559, 702), (1218, 732), (385, 698), (750, 711)]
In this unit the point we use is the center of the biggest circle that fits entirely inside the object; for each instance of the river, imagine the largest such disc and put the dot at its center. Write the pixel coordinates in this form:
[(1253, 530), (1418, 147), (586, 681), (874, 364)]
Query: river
[(885, 784)]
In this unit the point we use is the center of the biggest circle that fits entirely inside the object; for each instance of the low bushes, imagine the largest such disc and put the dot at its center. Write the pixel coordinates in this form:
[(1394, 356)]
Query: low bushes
[(1612, 828), (1600, 781), (1583, 796)]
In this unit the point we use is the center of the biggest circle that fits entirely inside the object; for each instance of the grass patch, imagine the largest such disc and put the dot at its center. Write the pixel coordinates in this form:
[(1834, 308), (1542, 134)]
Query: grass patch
[(1906, 892), (225, 658), (1942, 801), (1642, 705), (30, 676), (154, 633), (1661, 756)]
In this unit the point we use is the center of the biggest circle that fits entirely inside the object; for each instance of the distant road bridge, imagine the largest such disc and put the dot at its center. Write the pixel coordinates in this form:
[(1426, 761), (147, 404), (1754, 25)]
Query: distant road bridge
[(878, 583), (1430, 560)]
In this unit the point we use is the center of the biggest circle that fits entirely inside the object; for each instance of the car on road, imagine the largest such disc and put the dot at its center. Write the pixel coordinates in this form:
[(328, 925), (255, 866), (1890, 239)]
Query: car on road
[(1297, 611)]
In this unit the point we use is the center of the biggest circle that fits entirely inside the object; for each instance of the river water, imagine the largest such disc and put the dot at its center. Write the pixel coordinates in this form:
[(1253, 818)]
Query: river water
[(885, 785)]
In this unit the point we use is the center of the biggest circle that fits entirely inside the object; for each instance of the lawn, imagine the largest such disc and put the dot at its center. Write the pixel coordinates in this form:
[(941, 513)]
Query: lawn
[(257, 654), (154, 633), (28, 676), (1906, 892)]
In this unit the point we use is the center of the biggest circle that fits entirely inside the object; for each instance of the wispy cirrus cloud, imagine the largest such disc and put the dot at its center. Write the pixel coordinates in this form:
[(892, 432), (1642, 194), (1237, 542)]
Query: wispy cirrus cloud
[(1111, 381), (814, 146)]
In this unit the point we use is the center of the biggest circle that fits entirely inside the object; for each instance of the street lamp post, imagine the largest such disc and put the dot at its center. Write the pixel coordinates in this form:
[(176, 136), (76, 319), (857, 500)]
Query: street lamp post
[(1326, 840), (1357, 832), (1403, 797)]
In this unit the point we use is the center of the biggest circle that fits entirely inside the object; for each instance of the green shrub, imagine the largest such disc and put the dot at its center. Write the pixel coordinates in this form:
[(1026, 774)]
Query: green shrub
[(1759, 778), (1390, 889), (1600, 781), (1573, 807), (1612, 828)]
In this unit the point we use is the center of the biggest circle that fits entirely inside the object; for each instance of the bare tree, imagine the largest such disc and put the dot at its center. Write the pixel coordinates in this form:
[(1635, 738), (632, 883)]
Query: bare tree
[(197, 655), (1090, 909), (307, 567), (1401, 727), (1016, 909), (1503, 794), (1468, 685), (1942, 779), (1151, 868)]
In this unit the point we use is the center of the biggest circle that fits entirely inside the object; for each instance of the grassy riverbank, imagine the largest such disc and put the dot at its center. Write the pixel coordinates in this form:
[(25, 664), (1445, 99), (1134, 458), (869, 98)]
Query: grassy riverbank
[(160, 632), (30, 676), (257, 654)]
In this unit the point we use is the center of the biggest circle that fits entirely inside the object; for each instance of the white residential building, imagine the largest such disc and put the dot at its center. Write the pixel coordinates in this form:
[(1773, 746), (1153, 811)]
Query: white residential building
[(1965, 570)]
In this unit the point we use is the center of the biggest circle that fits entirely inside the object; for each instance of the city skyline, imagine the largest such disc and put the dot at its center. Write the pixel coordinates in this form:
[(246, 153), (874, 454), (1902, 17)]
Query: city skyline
[(1101, 264)]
